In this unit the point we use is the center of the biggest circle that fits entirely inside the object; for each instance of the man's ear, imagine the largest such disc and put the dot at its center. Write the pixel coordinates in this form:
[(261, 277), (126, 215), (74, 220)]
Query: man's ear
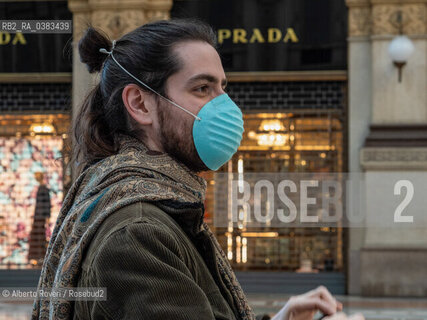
[(137, 104)]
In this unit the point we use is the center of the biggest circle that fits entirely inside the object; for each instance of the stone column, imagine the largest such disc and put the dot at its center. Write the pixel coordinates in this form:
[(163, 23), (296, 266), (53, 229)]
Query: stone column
[(115, 18), (360, 86), (388, 125)]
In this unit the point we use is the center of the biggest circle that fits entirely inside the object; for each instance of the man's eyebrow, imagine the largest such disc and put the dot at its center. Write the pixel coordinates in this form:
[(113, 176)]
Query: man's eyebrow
[(205, 76)]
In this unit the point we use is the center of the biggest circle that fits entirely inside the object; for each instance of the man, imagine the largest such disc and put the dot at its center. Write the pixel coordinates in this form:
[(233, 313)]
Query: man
[(133, 220)]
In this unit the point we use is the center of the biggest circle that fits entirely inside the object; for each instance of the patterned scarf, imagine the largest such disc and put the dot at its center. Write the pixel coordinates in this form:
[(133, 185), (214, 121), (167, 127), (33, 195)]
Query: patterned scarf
[(134, 174)]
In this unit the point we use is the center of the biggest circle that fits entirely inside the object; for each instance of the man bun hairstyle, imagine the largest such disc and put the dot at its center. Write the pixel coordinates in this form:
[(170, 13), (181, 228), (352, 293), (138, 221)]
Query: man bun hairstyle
[(147, 53), (89, 45)]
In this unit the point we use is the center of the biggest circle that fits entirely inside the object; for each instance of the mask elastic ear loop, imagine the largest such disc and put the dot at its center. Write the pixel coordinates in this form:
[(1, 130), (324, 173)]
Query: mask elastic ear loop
[(110, 53)]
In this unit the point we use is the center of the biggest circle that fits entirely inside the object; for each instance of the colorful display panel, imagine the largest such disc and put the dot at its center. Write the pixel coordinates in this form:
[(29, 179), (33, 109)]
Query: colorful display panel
[(31, 194)]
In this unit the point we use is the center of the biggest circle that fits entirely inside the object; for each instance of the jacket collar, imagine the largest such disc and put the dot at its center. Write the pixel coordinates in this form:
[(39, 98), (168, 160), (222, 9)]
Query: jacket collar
[(189, 215)]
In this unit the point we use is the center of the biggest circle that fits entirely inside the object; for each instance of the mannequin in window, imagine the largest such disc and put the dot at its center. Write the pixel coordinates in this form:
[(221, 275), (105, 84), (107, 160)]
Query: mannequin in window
[(37, 239)]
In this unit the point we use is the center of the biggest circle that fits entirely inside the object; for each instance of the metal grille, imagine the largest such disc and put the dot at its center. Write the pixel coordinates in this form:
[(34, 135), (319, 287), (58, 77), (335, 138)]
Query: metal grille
[(35, 97), (288, 96)]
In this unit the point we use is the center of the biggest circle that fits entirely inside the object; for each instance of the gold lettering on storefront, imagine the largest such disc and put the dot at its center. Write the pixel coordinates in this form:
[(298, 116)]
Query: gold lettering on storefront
[(257, 36), (290, 35), (6, 37), (239, 35), (274, 35)]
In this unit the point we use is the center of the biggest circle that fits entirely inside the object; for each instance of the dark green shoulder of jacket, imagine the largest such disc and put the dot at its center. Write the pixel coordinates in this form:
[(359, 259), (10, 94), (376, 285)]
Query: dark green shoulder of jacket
[(135, 212), (150, 269)]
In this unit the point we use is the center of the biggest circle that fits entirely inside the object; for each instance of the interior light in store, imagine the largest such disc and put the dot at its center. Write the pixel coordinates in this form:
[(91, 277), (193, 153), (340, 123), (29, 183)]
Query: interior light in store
[(241, 214), (42, 128), (240, 171), (271, 132), (240, 165), (260, 234), (239, 244), (244, 250), (229, 247), (272, 125)]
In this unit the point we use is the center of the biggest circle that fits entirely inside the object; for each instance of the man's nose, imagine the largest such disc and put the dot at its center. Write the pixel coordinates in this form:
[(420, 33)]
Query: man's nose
[(218, 92)]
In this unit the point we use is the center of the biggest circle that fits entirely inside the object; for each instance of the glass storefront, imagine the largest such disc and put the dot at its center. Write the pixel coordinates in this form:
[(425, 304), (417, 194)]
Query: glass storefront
[(32, 185), (35, 90), (303, 141)]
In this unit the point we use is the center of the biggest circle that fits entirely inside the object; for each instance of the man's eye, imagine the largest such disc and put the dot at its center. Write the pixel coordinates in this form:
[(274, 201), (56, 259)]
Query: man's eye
[(202, 89)]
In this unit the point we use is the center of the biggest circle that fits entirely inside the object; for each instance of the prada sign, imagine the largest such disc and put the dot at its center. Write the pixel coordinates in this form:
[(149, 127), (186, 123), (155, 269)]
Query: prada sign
[(13, 39), (274, 35)]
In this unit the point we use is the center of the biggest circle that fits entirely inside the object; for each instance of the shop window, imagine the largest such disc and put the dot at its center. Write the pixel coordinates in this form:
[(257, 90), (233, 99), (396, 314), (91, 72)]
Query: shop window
[(298, 142), (31, 185)]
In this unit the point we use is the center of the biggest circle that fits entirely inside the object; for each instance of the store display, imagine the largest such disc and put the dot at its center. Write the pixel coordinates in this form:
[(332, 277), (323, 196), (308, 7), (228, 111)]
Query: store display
[(313, 147), (20, 160)]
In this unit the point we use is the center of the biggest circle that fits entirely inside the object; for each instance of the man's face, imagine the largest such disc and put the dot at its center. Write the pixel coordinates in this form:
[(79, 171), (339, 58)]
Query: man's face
[(200, 79)]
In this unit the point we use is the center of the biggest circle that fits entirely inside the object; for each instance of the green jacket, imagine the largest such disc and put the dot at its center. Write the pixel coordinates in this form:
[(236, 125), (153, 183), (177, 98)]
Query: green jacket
[(155, 266)]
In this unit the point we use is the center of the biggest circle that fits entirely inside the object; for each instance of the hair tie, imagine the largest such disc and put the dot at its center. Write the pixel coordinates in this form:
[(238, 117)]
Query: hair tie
[(103, 50)]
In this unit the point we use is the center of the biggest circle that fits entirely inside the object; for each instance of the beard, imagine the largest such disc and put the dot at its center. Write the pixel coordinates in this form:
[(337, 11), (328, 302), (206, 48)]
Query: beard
[(176, 135)]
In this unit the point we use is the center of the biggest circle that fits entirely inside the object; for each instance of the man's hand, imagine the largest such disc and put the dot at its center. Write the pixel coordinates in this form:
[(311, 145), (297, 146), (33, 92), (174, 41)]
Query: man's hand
[(305, 306)]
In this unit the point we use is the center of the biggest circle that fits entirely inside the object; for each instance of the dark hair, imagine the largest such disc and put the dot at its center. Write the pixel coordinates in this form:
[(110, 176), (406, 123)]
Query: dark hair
[(147, 53)]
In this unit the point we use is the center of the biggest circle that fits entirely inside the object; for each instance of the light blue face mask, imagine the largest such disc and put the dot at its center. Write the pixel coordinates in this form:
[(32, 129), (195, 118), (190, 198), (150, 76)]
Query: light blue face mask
[(217, 128)]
